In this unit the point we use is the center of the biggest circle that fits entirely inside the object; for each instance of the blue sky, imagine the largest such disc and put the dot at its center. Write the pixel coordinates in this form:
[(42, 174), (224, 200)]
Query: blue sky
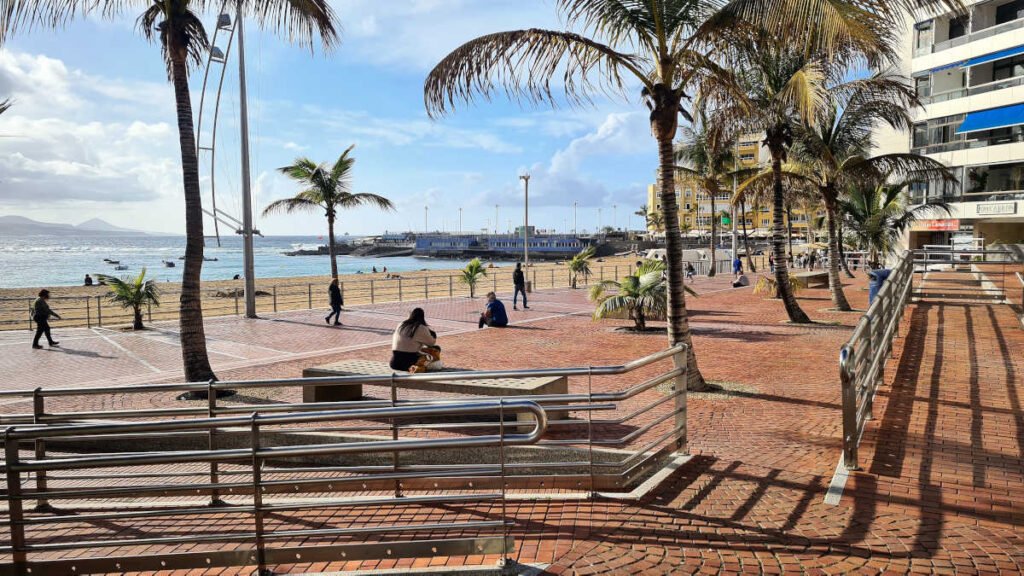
[(92, 133)]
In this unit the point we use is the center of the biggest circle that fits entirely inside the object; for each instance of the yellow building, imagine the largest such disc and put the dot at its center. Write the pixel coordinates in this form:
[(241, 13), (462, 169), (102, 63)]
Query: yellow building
[(695, 206)]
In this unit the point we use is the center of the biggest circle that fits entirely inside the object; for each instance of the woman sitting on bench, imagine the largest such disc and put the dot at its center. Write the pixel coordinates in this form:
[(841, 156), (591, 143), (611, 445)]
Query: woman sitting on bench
[(413, 345)]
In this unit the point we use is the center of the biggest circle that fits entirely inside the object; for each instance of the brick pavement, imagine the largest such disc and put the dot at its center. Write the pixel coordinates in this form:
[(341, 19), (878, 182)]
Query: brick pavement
[(941, 490)]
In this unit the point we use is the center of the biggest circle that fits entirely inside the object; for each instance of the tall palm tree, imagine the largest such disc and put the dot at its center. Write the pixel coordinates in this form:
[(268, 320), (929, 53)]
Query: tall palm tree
[(877, 216), (327, 189), (176, 26), (704, 159), (133, 293)]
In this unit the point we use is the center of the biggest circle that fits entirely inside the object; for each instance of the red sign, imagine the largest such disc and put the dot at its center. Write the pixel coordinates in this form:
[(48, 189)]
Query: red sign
[(948, 225)]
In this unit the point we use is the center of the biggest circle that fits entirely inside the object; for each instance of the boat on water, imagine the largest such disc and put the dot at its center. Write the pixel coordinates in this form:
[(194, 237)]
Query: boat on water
[(121, 267), (109, 261)]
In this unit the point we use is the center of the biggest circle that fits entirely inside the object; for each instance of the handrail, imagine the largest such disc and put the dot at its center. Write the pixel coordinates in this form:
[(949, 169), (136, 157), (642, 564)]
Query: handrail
[(862, 359)]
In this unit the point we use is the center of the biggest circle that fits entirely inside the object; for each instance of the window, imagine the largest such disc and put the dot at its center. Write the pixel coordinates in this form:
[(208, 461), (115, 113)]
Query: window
[(924, 35), (923, 86), (1008, 68), (937, 131), (957, 27), (995, 178), (1010, 11)]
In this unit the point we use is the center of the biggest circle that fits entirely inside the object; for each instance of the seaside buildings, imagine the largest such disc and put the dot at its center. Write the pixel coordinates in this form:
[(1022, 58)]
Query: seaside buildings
[(695, 210), (969, 73)]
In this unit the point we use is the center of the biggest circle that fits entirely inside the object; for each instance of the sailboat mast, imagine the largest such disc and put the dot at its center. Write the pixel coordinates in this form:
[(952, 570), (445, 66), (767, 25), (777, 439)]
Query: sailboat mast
[(247, 231)]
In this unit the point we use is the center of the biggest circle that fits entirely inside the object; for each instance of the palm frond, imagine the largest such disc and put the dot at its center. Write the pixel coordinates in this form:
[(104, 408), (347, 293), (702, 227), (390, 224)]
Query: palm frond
[(289, 205), (524, 63), (5, 105)]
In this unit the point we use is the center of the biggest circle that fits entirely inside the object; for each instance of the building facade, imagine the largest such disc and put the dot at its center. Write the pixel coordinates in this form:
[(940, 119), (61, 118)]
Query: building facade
[(695, 211), (968, 71)]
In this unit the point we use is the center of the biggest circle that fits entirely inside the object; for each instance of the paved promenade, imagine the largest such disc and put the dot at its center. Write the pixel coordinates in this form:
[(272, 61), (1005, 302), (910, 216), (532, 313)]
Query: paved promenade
[(941, 492)]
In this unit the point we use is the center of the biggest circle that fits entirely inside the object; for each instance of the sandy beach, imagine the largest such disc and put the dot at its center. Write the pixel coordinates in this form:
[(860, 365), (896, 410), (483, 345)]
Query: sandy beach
[(88, 305)]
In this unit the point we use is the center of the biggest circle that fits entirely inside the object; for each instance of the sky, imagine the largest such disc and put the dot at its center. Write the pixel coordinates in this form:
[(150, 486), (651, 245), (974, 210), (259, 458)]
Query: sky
[(93, 132)]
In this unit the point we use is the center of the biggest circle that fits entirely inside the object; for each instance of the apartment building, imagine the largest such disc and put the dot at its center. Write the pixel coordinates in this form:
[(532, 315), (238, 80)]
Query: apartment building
[(968, 70), (695, 212)]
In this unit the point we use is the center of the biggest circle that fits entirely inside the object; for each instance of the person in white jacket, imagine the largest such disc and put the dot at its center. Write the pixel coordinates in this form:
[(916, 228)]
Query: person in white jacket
[(411, 341)]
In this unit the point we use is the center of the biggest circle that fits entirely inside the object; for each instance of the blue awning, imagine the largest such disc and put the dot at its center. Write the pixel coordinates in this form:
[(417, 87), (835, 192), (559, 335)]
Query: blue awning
[(948, 66), (992, 119), (994, 56)]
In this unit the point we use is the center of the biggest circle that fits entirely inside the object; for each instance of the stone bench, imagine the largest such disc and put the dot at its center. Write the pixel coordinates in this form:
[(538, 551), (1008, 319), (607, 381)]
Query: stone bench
[(812, 278), (473, 387)]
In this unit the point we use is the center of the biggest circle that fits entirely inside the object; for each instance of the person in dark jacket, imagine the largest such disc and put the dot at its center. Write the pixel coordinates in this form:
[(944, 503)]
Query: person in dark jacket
[(494, 314), (336, 303), (42, 313), (519, 282)]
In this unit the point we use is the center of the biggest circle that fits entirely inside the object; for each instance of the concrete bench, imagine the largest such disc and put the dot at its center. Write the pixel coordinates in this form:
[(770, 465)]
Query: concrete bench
[(813, 278), (473, 387)]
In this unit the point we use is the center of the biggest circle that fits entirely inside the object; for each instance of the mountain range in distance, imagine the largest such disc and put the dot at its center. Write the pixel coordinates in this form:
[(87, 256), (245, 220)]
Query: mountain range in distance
[(21, 226)]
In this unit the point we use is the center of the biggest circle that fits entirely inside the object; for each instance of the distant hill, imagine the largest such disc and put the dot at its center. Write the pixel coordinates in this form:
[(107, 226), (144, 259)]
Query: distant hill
[(21, 226)]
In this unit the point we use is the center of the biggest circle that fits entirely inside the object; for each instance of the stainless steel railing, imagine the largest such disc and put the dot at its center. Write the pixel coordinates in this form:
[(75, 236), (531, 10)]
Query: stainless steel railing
[(594, 440), (257, 539), (862, 359)]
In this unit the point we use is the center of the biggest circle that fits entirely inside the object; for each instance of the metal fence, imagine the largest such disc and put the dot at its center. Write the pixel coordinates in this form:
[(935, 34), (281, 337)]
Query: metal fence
[(97, 310), (436, 463), (862, 359)]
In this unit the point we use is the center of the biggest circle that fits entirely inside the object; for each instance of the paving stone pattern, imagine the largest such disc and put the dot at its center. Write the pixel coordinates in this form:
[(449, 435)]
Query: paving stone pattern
[(941, 490)]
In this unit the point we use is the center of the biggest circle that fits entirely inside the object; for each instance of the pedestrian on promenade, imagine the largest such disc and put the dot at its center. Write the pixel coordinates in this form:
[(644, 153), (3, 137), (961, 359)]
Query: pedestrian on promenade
[(737, 265), (690, 271), (41, 313), (414, 344), (334, 292), (519, 282), (771, 262), (812, 259), (494, 314)]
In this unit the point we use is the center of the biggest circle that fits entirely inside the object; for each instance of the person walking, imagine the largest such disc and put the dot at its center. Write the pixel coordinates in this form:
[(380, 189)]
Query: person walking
[(494, 314), (771, 262), (737, 265), (519, 282), (334, 292), (42, 313)]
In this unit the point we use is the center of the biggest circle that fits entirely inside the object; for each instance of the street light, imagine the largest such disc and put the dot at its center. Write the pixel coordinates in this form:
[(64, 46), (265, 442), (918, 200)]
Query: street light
[(526, 219), (496, 220), (460, 221), (615, 216), (574, 217), (598, 220), (426, 228)]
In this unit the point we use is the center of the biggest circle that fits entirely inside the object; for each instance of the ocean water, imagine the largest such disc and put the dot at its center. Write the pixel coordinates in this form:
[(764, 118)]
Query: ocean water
[(38, 261)]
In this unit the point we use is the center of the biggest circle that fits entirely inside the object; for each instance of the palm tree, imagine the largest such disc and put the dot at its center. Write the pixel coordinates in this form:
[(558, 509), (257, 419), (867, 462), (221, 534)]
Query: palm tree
[(327, 189), (832, 155), (641, 295), (177, 27), (580, 264), (656, 222), (704, 159), (472, 274), (877, 216), (5, 105), (133, 293)]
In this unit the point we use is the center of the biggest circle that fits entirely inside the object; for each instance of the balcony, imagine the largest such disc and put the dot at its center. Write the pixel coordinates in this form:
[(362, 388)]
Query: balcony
[(986, 20)]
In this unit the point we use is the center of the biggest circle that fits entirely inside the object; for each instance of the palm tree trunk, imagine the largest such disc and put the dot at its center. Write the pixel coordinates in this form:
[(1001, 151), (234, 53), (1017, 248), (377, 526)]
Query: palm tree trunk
[(330, 245), (789, 226), (193, 336), (712, 271), (746, 240), (663, 125), (137, 325), (834, 284), (641, 322), (842, 249), (793, 310)]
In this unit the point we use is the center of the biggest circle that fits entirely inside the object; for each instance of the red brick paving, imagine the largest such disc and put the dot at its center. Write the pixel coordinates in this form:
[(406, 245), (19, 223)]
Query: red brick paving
[(941, 488)]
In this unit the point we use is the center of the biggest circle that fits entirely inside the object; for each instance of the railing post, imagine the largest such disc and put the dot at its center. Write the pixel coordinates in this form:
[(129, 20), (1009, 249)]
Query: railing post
[(552, 277), (275, 297), (30, 314), (494, 281), (849, 395), (426, 287), (394, 436), (236, 301), (15, 504), (372, 300), (99, 312), (506, 561), (211, 405), (38, 410), (257, 497), (869, 386), (680, 361), (451, 290), (309, 295), (88, 313), (399, 288)]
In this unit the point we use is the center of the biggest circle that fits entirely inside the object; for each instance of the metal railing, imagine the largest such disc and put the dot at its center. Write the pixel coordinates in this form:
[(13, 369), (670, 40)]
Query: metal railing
[(862, 359), (392, 451)]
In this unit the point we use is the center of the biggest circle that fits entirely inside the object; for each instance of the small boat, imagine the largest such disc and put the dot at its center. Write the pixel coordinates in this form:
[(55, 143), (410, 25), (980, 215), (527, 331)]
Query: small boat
[(112, 261), (121, 267), (168, 264), (205, 259)]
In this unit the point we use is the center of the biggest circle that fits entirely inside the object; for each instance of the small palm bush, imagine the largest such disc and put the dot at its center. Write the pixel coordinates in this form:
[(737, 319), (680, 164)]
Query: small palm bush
[(472, 274), (580, 264), (768, 286), (641, 296), (133, 293)]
